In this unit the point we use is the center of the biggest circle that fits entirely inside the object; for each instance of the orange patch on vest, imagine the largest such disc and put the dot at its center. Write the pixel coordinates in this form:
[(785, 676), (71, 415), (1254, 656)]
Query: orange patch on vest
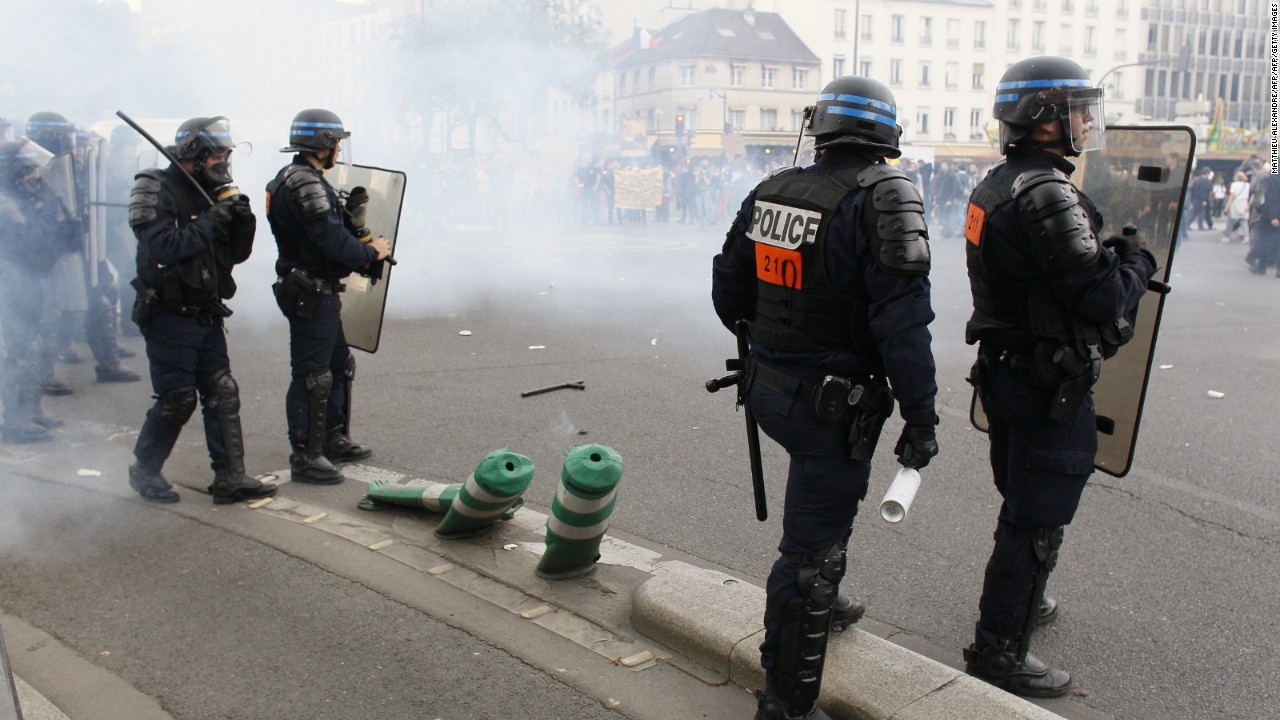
[(779, 266), (973, 224)]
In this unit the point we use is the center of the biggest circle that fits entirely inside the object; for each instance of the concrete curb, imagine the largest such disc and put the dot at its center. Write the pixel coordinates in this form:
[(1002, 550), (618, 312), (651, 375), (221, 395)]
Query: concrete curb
[(714, 619)]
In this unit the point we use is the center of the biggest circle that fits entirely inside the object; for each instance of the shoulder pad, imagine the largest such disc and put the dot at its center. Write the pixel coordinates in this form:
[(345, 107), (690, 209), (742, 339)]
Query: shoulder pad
[(307, 191), (899, 235), (787, 170), (873, 174), (1050, 208), (144, 198)]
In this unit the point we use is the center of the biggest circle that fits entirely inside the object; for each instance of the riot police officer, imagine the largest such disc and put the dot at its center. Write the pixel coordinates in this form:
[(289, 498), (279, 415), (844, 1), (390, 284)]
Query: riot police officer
[(829, 266), (35, 230), (186, 251), (1050, 301), (315, 235), (87, 305)]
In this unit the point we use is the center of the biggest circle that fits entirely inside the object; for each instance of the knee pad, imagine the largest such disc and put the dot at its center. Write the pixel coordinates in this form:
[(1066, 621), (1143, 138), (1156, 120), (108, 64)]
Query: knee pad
[(819, 574), (222, 392), (1045, 542), (319, 383), (175, 407)]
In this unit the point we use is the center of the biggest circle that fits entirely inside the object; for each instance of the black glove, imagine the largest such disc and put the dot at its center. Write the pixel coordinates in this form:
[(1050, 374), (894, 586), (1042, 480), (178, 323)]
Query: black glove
[(223, 211), (916, 445), (1130, 241), (357, 206), (241, 210)]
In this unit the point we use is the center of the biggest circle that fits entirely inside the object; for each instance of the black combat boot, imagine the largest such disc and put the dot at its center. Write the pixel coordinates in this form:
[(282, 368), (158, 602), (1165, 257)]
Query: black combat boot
[(229, 487), (24, 433), (340, 448), (151, 485), (117, 374), (847, 611), (315, 470), (771, 706), (55, 388), (1028, 676)]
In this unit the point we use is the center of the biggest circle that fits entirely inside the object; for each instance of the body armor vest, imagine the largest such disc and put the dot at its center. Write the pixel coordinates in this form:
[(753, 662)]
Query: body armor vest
[(197, 280), (796, 309), (296, 249)]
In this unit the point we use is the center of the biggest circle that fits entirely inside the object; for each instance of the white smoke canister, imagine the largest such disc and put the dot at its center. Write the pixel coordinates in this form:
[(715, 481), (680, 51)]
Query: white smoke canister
[(897, 499)]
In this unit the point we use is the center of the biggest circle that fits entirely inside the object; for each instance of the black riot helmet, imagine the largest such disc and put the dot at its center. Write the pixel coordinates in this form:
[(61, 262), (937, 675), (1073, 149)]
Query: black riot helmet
[(315, 129), (207, 141), (1044, 90), (52, 132), (856, 111)]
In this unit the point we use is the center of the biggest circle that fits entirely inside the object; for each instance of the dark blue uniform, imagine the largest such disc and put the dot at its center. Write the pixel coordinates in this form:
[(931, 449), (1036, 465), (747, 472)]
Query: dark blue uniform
[(1047, 302), (863, 319), (317, 250), (184, 261)]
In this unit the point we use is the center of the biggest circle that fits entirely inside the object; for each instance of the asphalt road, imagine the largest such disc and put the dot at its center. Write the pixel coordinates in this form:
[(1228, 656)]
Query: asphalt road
[(1166, 578)]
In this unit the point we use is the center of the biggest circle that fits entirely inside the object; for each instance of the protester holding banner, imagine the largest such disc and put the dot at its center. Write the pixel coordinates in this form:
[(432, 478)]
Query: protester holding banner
[(318, 247)]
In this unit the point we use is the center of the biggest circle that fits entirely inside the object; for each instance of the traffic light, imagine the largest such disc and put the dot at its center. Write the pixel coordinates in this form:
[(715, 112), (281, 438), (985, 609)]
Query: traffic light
[(680, 125)]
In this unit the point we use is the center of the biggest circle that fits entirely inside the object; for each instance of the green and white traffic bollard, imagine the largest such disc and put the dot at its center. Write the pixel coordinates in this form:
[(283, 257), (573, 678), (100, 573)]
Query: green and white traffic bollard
[(580, 511), (488, 496), (433, 496)]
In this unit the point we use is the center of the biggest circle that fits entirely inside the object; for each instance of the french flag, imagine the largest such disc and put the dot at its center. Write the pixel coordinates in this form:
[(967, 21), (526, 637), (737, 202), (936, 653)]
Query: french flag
[(644, 40)]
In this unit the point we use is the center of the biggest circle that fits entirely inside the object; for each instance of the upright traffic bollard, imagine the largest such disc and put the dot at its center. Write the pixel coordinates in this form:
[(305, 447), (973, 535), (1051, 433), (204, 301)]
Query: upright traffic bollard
[(433, 496), (493, 489), (580, 511)]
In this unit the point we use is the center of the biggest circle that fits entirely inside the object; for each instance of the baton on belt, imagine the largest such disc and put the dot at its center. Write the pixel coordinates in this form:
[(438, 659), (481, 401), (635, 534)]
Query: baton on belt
[(167, 156), (739, 377)]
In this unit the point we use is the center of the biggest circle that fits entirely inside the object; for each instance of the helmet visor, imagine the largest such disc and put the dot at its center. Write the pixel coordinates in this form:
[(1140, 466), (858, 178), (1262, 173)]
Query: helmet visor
[(1084, 120)]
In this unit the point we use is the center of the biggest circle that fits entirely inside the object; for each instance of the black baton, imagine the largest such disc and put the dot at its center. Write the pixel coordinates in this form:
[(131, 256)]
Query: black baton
[(165, 153)]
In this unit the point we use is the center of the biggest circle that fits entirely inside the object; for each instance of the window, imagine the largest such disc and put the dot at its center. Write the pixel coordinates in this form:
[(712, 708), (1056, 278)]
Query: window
[(797, 121), (895, 72), (924, 74), (895, 28), (1037, 35), (952, 78), (949, 123), (979, 34), (864, 67), (926, 31), (837, 66), (1117, 88), (799, 78), (768, 119), (738, 118), (1089, 47), (975, 123), (1121, 45), (953, 32), (1065, 35), (839, 22), (635, 82), (737, 73), (766, 76), (1091, 7), (1068, 6), (688, 75), (866, 27), (978, 69), (922, 121), (1012, 41)]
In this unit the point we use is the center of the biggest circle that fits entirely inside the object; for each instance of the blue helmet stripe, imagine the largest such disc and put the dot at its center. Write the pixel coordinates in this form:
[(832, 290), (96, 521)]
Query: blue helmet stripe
[(1026, 84), (330, 126), (1011, 97), (876, 117), (868, 101)]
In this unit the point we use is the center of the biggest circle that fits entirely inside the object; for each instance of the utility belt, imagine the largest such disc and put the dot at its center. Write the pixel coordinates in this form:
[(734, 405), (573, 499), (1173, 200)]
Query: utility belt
[(150, 300), (305, 291), (864, 402), (1050, 364)]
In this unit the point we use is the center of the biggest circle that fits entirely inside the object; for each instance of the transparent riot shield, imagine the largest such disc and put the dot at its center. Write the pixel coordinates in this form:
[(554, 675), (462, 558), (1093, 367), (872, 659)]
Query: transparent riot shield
[(59, 175), (364, 299), (70, 292), (1140, 178), (9, 709)]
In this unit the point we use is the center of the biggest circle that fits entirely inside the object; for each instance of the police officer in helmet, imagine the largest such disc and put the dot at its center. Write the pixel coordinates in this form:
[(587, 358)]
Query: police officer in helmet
[(828, 264), (1050, 301), (35, 230), (315, 233), (187, 249)]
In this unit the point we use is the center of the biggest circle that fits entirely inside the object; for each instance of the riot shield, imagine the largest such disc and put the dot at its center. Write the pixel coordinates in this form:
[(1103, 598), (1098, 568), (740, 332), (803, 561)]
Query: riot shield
[(1140, 178), (363, 300), (59, 175)]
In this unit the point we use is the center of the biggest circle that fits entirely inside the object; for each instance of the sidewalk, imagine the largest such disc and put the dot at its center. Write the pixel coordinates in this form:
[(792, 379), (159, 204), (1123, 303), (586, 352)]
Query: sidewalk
[(638, 609)]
